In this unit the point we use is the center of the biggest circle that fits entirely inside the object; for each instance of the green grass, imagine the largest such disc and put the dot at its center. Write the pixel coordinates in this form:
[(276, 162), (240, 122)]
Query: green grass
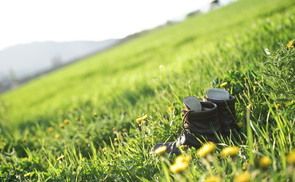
[(125, 82)]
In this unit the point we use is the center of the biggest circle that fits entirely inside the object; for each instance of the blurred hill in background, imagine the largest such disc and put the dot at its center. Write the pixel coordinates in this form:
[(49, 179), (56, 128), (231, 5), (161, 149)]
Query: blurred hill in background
[(21, 63)]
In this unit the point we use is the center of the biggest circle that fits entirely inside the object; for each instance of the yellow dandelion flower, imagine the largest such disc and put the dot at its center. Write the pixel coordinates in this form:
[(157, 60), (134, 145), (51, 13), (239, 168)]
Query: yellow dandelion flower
[(180, 164), (206, 149), (161, 66), (103, 149), (138, 120), (230, 151), (23, 139), (144, 117), (155, 122), (35, 138), (95, 114), (240, 124), (1, 139), (245, 79), (27, 175), (57, 136), (66, 121), (278, 106), (243, 177), (223, 84), (114, 128), (255, 88), (264, 162), (249, 106), (177, 168), (50, 129), (181, 159), (170, 109), (291, 158), (213, 179), (123, 129), (291, 44), (246, 165), (61, 126), (183, 146), (116, 157), (77, 119), (60, 158), (161, 150), (116, 139)]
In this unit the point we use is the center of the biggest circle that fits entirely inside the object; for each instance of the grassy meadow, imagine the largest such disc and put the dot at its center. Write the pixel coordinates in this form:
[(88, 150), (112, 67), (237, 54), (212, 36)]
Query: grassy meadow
[(80, 123)]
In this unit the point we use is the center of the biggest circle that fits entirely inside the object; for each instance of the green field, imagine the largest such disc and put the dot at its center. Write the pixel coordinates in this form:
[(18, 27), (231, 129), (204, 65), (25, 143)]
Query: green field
[(87, 111)]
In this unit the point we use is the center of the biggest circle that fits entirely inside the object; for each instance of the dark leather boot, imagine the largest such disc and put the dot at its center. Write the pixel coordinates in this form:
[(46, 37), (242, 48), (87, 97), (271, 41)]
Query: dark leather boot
[(198, 127), (227, 115)]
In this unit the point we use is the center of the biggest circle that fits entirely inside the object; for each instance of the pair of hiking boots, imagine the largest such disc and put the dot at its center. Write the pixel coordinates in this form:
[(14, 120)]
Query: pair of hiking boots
[(205, 121)]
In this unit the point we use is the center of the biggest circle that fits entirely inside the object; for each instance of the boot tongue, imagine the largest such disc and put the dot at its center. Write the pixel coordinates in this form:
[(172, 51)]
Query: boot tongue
[(192, 103), (217, 93)]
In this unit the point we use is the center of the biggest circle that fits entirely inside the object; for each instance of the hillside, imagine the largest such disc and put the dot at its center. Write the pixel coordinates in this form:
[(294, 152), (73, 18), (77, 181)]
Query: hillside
[(87, 111)]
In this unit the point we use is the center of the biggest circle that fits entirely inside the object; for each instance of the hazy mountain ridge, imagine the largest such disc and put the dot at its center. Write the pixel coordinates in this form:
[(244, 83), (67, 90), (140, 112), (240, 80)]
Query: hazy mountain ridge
[(25, 61)]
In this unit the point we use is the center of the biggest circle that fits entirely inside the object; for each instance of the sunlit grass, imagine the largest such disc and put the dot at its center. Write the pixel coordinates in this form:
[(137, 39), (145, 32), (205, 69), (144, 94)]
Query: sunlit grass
[(99, 119)]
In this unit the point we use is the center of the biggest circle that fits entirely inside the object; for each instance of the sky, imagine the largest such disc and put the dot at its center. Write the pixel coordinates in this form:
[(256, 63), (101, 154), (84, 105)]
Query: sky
[(26, 21)]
